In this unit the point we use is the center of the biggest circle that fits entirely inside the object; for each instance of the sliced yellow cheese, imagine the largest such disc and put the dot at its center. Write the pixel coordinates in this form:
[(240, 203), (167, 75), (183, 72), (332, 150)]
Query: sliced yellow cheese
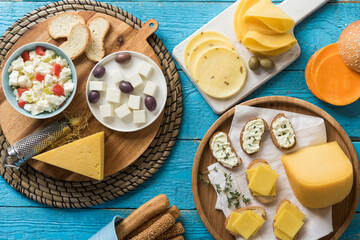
[(246, 224), (235, 20), (291, 208), (251, 172), (200, 38), (320, 176), (275, 52), (263, 181), (265, 17), (205, 46), (233, 217), (84, 156), (281, 235), (242, 28), (220, 73), (288, 223)]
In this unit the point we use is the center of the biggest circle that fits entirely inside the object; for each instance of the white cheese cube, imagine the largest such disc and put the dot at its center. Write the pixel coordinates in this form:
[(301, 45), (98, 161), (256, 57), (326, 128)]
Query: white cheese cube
[(135, 80), (150, 88), (117, 76), (106, 110), (122, 111), (139, 116), (145, 69), (134, 102), (97, 86), (113, 95)]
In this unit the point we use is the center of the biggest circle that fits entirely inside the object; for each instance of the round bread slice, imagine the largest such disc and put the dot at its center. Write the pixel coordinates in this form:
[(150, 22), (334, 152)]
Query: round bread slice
[(256, 209), (262, 134), (273, 138), (277, 209), (232, 149), (77, 42), (61, 25), (263, 199)]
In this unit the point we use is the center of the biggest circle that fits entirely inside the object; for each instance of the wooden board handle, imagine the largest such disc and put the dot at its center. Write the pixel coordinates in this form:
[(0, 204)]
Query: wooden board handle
[(147, 29)]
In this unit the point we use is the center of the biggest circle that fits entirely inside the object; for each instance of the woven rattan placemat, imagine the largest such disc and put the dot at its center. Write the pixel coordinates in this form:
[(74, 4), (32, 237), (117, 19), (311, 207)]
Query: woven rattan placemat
[(63, 194)]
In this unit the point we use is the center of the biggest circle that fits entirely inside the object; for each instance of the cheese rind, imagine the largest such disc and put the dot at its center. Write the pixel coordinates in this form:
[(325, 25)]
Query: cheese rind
[(320, 176), (84, 156)]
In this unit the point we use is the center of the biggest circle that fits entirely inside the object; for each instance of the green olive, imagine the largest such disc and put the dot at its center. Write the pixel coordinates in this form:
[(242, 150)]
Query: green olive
[(254, 63), (267, 63)]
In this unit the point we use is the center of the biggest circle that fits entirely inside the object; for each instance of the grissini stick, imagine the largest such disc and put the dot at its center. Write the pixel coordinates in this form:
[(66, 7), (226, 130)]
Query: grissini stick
[(157, 228), (173, 210), (144, 213), (175, 230)]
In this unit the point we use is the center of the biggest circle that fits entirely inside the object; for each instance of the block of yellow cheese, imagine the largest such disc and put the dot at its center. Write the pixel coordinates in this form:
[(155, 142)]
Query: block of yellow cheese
[(291, 208), (250, 173), (84, 156), (288, 223), (320, 176), (281, 235), (246, 225), (263, 181)]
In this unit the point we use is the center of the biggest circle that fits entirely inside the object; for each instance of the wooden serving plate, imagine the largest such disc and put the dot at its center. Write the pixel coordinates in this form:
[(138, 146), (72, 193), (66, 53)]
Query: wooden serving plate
[(121, 149), (205, 196)]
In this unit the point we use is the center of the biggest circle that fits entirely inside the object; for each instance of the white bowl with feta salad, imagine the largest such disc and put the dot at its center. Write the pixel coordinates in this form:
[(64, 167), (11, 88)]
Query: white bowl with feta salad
[(39, 80)]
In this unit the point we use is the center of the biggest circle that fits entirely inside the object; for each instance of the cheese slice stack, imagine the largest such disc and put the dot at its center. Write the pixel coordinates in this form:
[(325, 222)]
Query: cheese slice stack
[(84, 156)]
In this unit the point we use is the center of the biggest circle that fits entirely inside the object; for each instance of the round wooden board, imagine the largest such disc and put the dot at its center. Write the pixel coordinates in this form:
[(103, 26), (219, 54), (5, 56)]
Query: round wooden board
[(205, 196), (121, 149)]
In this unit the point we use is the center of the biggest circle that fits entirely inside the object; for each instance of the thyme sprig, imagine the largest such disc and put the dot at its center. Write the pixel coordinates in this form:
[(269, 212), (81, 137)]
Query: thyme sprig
[(233, 197)]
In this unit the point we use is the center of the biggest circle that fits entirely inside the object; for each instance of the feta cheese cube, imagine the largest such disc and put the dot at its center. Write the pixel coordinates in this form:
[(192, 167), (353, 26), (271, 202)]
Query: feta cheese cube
[(145, 69), (106, 110), (150, 88), (117, 76), (97, 86), (135, 80), (113, 95), (122, 111), (13, 78), (134, 102), (139, 116)]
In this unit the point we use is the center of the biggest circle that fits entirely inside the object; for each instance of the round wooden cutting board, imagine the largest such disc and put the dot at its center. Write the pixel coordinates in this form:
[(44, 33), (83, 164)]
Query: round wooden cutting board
[(205, 196), (121, 149)]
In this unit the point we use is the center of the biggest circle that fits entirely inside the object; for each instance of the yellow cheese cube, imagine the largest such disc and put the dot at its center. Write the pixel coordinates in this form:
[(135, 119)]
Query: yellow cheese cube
[(319, 176), (263, 180), (233, 217), (281, 235), (291, 208), (250, 173), (288, 223), (246, 225)]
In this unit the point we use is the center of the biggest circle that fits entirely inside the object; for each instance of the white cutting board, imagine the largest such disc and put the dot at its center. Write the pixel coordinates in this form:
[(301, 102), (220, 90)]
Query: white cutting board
[(223, 23)]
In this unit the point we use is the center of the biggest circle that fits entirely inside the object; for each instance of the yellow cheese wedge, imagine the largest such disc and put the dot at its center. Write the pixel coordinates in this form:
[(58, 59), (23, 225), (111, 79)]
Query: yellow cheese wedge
[(242, 29), (281, 235), (84, 156), (200, 38), (291, 208), (265, 17), (263, 181), (233, 217), (246, 224), (251, 172), (320, 176), (220, 73), (205, 46), (288, 223)]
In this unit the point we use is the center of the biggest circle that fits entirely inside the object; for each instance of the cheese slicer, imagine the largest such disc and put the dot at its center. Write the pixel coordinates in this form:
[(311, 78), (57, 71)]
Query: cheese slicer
[(223, 23)]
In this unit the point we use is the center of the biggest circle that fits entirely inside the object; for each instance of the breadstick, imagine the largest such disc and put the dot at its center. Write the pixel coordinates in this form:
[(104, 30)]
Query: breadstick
[(177, 238), (141, 215), (175, 230), (157, 228), (173, 210)]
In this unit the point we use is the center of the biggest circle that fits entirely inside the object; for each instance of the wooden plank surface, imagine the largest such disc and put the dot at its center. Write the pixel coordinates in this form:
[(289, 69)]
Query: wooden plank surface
[(21, 218)]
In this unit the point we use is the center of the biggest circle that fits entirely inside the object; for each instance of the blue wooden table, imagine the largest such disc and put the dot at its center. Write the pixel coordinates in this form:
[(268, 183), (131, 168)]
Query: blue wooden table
[(21, 218)]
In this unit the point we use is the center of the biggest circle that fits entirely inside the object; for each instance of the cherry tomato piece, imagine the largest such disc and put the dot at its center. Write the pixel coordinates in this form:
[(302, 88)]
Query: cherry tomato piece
[(39, 77), (21, 103), (58, 90), (40, 51), (21, 91), (56, 70), (25, 56)]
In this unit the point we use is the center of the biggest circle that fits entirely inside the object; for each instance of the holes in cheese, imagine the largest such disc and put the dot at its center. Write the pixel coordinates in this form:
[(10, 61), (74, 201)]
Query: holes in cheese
[(220, 73), (320, 176)]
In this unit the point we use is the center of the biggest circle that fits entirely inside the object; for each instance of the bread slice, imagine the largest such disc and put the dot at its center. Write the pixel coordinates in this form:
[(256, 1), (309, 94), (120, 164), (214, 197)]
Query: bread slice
[(263, 199), (277, 209), (98, 27), (273, 137), (61, 25), (77, 42), (232, 149), (262, 131), (256, 209)]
